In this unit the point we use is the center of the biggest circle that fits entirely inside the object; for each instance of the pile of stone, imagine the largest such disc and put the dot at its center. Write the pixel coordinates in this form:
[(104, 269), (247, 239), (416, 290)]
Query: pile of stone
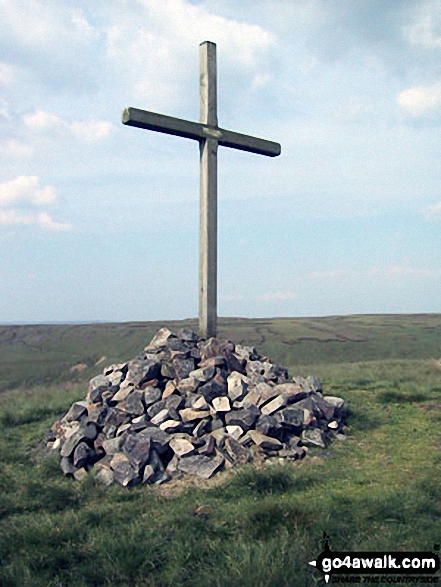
[(187, 405)]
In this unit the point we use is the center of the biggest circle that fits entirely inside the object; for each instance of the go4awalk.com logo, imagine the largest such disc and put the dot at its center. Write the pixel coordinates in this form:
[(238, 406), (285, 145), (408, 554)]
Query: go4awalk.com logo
[(378, 567)]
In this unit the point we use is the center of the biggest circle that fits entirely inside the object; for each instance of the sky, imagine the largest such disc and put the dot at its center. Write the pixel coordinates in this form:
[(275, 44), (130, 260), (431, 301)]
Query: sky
[(99, 221)]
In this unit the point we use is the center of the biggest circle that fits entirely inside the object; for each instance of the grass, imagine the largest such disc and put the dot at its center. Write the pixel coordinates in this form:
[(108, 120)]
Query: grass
[(377, 490)]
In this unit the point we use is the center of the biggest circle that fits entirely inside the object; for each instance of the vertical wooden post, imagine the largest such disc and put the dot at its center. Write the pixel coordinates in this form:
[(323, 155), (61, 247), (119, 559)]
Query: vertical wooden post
[(208, 195)]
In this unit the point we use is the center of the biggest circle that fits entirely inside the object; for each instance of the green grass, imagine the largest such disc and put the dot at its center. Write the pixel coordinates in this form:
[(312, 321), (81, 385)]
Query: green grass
[(377, 490)]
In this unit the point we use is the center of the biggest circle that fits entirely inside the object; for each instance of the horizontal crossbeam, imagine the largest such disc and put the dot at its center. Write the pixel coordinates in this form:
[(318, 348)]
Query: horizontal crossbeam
[(199, 132)]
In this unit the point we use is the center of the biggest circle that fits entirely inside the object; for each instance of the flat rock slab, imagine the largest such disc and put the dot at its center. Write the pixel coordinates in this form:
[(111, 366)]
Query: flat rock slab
[(266, 442), (201, 465), (181, 447)]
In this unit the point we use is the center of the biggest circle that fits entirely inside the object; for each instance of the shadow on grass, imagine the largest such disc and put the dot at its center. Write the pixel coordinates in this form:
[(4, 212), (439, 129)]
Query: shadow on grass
[(268, 519), (386, 397), (363, 420), (28, 415), (267, 482)]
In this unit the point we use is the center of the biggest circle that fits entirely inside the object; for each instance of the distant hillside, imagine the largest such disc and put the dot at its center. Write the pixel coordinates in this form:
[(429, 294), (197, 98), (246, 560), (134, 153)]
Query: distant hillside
[(46, 353)]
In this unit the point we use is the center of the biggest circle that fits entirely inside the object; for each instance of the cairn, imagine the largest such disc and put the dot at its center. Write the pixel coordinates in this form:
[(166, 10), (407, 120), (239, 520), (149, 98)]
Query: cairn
[(186, 405)]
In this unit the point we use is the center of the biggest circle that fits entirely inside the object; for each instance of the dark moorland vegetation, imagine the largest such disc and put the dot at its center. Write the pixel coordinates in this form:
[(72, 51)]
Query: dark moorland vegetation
[(378, 490)]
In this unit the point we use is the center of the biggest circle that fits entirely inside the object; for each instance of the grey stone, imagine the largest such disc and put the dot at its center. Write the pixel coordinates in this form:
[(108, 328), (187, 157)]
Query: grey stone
[(183, 367), (123, 428), (292, 418), (133, 404), (137, 449), (313, 437), (151, 396), (105, 476), (113, 445), (139, 423), (200, 465), (67, 466), (215, 424), (174, 401), (255, 370), (337, 403), (270, 426), (82, 454), (71, 443), (274, 372), (156, 408), (248, 353), (140, 371), (207, 448), (90, 431), (203, 374), (115, 417), (158, 438), (244, 418), (213, 388), (237, 452), (232, 363), (162, 337), (187, 335), (314, 383), (188, 385), (123, 472), (77, 411)]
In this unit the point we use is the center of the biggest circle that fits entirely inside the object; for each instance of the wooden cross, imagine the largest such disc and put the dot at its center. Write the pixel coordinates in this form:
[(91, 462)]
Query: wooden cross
[(209, 136)]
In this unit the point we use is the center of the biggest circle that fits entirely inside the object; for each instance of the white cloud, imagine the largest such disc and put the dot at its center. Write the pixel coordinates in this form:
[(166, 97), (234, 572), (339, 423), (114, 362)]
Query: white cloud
[(40, 24), (159, 56), (86, 131), (13, 147), (422, 32), (4, 109), (25, 189), (91, 132), (7, 74), (42, 120), (181, 20), (419, 99), (433, 212), (46, 222), (260, 80), (43, 219), (12, 217)]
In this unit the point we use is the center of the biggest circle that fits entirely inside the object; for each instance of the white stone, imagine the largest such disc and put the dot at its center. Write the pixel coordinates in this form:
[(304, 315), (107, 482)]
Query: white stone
[(181, 447), (274, 405), (169, 425), (221, 404), (160, 417), (235, 431)]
